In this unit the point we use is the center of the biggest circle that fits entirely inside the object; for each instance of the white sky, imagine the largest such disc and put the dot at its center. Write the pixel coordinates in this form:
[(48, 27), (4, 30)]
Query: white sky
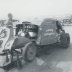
[(35, 8)]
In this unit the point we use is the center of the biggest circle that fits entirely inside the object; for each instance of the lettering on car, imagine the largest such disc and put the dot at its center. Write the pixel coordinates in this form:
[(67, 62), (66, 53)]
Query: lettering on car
[(49, 32)]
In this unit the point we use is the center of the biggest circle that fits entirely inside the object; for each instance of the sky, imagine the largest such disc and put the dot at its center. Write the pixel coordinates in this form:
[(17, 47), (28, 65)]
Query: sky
[(22, 9)]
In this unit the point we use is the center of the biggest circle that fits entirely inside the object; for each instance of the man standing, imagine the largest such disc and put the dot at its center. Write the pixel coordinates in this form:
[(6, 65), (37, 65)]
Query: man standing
[(10, 24), (10, 20)]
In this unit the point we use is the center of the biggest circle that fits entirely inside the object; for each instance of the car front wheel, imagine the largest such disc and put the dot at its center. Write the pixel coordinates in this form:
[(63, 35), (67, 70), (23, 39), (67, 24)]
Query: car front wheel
[(30, 52)]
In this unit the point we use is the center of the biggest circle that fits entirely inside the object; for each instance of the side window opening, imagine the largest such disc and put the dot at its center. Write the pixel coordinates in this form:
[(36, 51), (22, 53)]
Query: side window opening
[(59, 27)]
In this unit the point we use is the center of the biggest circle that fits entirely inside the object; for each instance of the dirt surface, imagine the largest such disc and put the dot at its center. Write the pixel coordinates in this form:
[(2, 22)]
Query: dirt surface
[(51, 59)]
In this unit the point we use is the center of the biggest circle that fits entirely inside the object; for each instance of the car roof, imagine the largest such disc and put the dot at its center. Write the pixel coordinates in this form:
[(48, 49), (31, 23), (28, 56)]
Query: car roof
[(48, 21)]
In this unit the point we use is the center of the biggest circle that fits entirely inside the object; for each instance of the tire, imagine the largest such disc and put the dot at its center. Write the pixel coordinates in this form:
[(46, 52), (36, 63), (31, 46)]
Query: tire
[(30, 52), (64, 40)]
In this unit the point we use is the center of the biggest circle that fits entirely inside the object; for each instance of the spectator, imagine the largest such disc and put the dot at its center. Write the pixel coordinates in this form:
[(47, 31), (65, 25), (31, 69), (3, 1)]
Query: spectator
[(10, 24)]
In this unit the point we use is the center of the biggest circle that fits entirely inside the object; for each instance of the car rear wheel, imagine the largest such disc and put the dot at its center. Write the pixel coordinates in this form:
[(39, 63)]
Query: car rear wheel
[(30, 52), (65, 40)]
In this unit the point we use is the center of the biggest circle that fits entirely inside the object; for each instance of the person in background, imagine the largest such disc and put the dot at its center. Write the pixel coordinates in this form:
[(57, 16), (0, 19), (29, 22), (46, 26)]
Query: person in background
[(10, 20), (10, 24), (59, 27)]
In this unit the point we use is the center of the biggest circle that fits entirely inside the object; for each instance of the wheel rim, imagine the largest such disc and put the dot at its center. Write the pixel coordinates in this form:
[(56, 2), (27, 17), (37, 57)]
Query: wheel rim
[(31, 53)]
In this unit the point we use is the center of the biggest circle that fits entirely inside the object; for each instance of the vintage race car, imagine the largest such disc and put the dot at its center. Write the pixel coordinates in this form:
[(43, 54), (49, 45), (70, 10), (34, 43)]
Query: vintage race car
[(23, 40), (49, 32), (14, 46)]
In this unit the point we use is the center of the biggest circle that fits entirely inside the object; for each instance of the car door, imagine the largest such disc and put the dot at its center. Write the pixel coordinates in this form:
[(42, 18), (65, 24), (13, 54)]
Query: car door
[(48, 33)]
